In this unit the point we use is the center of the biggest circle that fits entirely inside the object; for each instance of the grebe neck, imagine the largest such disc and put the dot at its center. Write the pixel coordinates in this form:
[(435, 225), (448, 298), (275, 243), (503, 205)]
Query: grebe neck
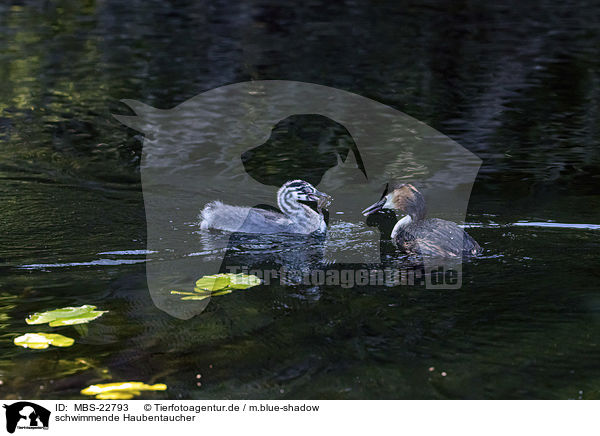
[(401, 225), (301, 214)]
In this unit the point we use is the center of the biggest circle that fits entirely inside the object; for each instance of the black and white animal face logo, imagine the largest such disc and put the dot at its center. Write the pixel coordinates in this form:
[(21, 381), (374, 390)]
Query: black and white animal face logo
[(26, 415), (188, 150)]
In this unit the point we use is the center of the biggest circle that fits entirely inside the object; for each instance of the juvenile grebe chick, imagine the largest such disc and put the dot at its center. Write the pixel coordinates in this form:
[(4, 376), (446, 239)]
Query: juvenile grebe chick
[(297, 217), (414, 234)]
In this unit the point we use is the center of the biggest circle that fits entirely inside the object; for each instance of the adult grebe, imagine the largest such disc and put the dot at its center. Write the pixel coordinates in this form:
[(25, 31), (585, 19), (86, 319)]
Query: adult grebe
[(297, 217), (414, 234)]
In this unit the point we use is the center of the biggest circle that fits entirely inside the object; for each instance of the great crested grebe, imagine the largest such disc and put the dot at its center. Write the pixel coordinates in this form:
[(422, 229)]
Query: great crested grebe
[(297, 217), (414, 234)]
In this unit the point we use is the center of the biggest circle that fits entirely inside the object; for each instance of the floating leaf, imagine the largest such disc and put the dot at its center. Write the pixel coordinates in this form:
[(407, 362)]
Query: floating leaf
[(243, 281), (66, 316), (121, 391), (212, 283), (219, 284), (117, 395), (39, 341)]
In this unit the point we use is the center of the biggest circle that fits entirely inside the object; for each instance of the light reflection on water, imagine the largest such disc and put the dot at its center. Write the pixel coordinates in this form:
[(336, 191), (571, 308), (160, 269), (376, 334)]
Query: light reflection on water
[(258, 244), (557, 225)]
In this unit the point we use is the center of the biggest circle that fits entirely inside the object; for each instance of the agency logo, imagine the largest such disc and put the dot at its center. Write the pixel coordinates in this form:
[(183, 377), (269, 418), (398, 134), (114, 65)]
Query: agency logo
[(26, 416), (220, 146)]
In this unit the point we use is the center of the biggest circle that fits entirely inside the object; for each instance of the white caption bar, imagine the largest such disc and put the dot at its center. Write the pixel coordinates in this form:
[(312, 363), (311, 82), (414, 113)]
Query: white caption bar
[(297, 417)]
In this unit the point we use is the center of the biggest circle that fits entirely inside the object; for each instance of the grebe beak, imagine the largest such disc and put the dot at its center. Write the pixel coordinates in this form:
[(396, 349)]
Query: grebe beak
[(323, 200), (320, 198), (375, 207)]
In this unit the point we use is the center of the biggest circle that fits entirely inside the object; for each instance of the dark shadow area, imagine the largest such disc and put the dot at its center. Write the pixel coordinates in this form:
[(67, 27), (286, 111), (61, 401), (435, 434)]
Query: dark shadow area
[(301, 147)]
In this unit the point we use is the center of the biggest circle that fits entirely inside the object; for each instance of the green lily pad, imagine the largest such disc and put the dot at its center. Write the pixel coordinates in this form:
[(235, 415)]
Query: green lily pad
[(121, 391), (219, 284), (213, 283), (243, 281), (66, 316), (39, 341)]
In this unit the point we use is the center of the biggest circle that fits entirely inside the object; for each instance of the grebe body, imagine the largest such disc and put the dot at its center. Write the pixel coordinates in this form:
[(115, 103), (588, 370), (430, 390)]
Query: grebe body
[(415, 234), (296, 216)]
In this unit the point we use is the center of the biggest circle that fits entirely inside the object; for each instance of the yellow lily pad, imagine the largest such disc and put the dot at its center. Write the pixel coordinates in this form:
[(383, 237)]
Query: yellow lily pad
[(66, 316), (39, 341), (117, 395), (121, 391)]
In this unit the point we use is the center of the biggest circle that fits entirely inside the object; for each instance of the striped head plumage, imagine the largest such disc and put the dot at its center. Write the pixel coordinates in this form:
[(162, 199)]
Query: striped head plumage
[(292, 194)]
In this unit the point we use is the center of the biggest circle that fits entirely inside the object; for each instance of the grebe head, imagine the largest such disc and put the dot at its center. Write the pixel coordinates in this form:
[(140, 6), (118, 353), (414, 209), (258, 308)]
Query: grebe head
[(404, 198), (293, 193)]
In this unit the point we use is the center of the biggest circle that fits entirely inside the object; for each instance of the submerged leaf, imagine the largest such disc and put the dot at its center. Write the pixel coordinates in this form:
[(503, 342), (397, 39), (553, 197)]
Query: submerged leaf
[(66, 316), (66, 367), (82, 329), (223, 292), (196, 297), (121, 391), (39, 341)]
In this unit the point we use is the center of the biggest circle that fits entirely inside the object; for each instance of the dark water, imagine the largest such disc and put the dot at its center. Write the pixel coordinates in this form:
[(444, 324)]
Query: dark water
[(517, 83)]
